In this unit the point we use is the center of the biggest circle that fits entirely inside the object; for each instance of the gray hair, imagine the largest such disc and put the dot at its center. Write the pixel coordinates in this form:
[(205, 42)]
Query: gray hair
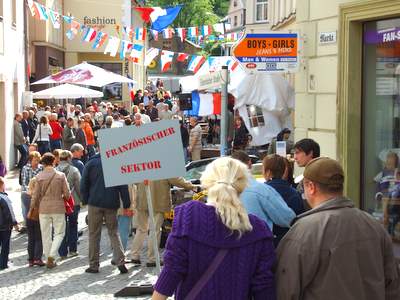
[(76, 147)]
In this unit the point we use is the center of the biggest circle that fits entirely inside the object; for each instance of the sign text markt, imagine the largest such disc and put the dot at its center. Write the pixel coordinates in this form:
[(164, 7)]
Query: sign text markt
[(268, 52), (133, 154)]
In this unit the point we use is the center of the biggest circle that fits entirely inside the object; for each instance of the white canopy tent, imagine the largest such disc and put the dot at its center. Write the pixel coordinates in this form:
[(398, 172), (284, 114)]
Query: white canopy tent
[(67, 91), (85, 74), (271, 93)]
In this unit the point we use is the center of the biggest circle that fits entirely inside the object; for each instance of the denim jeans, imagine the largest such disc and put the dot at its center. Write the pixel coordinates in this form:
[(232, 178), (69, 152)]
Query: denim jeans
[(124, 226), (23, 150), (70, 240), (43, 147), (35, 246), (5, 248), (25, 204), (55, 144)]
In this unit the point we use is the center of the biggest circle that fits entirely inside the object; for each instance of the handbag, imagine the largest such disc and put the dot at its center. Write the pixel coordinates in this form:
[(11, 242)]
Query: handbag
[(33, 213), (207, 275), (69, 203)]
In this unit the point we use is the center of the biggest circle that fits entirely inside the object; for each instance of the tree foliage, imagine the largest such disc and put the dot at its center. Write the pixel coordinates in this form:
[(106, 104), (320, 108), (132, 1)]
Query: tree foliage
[(195, 12)]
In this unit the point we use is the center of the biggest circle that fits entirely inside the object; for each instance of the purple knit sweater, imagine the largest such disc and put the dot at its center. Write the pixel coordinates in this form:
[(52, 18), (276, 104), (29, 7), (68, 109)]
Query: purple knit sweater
[(197, 235)]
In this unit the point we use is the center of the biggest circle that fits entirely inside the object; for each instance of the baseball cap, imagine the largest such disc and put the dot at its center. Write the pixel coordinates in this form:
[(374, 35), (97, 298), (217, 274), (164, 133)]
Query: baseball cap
[(324, 170)]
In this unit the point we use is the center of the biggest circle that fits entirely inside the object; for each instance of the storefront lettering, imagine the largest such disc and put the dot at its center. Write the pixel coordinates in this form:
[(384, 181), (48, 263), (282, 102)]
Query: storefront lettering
[(98, 21), (391, 36)]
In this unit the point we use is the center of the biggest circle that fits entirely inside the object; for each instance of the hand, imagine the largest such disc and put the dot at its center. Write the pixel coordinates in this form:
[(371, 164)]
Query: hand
[(189, 149), (16, 227)]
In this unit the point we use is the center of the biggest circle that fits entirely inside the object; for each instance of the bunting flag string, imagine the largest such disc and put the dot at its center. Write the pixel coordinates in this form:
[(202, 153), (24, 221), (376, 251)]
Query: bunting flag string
[(123, 44)]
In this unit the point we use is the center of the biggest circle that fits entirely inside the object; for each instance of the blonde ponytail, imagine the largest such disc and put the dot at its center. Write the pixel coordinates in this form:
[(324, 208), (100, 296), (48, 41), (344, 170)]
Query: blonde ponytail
[(224, 179)]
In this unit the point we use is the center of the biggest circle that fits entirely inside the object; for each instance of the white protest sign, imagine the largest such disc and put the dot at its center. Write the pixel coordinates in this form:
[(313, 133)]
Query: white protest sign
[(281, 148), (133, 154)]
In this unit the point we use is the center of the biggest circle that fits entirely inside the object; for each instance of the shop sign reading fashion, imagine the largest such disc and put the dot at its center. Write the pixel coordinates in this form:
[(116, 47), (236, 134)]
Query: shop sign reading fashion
[(268, 52), (149, 152)]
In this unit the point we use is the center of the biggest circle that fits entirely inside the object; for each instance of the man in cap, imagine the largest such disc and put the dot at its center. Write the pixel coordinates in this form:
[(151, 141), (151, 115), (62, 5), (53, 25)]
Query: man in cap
[(335, 251)]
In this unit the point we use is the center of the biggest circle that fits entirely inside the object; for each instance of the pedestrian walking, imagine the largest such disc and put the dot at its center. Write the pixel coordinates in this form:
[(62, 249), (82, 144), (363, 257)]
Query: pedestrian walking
[(161, 199), (87, 128), (48, 196), (218, 251), (195, 135), (35, 245), (241, 134), (125, 217), (69, 245), (262, 200), (20, 141), (103, 204), (42, 136), (274, 168), (185, 139), (56, 136), (335, 251), (7, 221), (30, 170), (77, 154)]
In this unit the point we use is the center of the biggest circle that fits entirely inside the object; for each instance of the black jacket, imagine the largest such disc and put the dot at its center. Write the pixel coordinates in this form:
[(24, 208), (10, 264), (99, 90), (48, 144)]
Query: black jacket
[(184, 136), (6, 219), (94, 192)]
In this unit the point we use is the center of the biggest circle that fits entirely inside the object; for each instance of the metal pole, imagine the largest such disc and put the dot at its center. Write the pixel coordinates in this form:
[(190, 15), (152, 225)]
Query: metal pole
[(224, 110), (153, 235)]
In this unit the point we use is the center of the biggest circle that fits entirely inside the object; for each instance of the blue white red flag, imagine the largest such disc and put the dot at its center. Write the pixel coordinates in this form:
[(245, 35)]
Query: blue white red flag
[(160, 17)]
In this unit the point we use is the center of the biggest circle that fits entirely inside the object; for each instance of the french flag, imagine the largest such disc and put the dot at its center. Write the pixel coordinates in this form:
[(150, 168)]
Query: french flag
[(140, 33), (89, 34), (181, 33), (205, 104), (136, 53), (206, 30), (182, 57), (154, 33), (167, 33), (195, 63), (160, 17), (166, 60), (193, 31)]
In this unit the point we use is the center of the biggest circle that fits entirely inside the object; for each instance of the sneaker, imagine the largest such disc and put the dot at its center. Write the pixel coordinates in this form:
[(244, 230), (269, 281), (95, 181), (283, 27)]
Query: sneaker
[(122, 268), (92, 271), (73, 254), (38, 262), (63, 258), (51, 263)]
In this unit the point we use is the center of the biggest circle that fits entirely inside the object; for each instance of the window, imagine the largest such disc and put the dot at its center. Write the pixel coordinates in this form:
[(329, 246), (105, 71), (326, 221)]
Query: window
[(256, 116), (235, 21), (234, 3), (261, 10), (380, 184)]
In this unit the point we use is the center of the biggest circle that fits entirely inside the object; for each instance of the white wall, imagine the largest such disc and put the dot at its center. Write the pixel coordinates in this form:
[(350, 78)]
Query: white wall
[(12, 77)]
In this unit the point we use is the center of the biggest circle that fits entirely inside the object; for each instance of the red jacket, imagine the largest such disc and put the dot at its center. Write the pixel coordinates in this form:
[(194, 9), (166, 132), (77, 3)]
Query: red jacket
[(57, 130)]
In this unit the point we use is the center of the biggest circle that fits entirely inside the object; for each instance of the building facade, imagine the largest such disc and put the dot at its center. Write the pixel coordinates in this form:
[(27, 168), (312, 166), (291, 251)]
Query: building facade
[(348, 94), (12, 73)]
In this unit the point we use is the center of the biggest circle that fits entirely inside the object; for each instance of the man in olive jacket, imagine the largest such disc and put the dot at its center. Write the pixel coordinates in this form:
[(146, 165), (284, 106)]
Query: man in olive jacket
[(335, 251), (161, 199)]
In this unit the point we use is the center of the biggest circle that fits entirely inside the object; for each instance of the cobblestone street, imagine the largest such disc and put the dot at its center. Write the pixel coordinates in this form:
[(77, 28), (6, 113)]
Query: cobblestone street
[(68, 280)]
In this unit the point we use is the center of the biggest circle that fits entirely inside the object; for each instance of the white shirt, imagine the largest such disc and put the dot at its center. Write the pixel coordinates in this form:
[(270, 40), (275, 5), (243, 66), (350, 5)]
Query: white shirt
[(43, 133), (145, 119)]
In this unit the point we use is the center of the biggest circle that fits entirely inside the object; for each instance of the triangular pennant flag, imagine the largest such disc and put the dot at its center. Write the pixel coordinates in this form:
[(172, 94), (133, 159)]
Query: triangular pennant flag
[(167, 33), (70, 34), (181, 33), (206, 30), (140, 33), (55, 19), (67, 19), (125, 46), (195, 63), (89, 34), (182, 57), (151, 54), (32, 8), (219, 28), (166, 60), (100, 39), (42, 11), (154, 34), (128, 32), (112, 46), (136, 53), (193, 32)]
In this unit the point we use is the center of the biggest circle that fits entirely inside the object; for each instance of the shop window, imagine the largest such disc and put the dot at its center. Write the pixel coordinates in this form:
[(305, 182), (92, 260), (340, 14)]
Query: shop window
[(381, 123), (261, 10), (111, 91), (256, 117)]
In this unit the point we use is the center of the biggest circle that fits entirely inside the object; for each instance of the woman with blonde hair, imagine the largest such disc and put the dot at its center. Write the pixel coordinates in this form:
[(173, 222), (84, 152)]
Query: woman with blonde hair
[(216, 250)]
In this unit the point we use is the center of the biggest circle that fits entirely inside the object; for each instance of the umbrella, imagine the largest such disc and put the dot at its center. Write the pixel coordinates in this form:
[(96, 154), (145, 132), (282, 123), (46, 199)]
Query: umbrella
[(67, 91), (85, 74)]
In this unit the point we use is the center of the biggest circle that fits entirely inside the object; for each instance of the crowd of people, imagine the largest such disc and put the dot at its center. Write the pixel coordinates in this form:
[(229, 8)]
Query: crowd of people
[(270, 240)]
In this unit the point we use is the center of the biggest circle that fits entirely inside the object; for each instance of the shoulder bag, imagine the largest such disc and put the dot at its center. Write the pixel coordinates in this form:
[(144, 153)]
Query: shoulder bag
[(69, 203), (33, 213), (194, 292)]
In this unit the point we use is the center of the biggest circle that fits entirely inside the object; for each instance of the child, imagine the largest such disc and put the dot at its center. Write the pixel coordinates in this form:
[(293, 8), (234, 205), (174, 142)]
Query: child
[(7, 221), (3, 169)]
